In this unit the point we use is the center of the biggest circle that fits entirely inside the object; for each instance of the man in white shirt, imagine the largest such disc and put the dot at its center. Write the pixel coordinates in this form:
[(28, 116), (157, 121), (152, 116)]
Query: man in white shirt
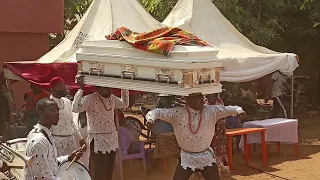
[(279, 87), (102, 133), (194, 127), (40, 146), (65, 134)]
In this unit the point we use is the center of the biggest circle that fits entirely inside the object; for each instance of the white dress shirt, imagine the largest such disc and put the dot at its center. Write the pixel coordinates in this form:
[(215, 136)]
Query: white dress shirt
[(100, 117), (44, 156), (65, 134), (279, 85), (196, 152)]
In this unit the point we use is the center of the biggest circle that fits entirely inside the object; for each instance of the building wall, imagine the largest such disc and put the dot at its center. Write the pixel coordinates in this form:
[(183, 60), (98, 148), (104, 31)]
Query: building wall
[(24, 29), (38, 16)]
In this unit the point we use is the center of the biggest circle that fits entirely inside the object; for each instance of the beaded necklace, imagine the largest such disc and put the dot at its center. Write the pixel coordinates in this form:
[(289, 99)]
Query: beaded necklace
[(190, 122)]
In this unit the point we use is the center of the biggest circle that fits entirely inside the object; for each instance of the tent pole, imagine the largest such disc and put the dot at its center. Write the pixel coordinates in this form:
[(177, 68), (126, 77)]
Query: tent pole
[(292, 100), (119, 155)]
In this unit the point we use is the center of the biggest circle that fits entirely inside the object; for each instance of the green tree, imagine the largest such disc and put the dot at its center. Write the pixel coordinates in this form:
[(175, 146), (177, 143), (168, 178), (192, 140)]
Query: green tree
[(281, 25), (159, 9), (73, 12), (264, 22)]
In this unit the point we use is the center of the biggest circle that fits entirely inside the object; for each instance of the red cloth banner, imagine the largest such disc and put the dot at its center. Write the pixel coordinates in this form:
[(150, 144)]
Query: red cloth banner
[(41, 73)]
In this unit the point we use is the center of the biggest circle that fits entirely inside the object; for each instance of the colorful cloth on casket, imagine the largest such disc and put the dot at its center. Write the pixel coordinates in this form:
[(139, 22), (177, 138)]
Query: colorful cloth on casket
[(160, 41)]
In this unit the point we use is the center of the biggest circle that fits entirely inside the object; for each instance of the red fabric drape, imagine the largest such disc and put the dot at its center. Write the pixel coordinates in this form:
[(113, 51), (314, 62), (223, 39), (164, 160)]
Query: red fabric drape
[(41, 74)]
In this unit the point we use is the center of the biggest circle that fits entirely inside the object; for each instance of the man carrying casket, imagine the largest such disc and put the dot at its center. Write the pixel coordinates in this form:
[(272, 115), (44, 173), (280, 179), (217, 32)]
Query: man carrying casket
[(102, 133), (65, 134), (194, 126)]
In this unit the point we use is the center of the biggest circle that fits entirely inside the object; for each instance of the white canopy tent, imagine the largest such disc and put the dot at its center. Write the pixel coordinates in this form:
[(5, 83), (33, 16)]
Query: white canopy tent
[(103, 17), (242, 60)]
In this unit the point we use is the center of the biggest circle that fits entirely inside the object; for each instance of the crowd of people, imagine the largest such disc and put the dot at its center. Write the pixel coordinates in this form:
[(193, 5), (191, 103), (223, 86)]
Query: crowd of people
[(84, 129)]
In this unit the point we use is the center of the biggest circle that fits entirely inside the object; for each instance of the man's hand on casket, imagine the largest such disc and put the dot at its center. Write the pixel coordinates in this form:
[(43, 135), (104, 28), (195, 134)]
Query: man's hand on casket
[(80, 81)]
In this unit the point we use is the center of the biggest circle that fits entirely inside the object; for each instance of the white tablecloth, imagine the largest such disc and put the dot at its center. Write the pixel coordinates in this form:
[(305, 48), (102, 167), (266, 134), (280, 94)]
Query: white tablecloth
[(277, 130)]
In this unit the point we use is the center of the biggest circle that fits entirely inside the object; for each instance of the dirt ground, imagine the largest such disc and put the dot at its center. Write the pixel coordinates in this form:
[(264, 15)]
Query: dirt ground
[(286, 164)]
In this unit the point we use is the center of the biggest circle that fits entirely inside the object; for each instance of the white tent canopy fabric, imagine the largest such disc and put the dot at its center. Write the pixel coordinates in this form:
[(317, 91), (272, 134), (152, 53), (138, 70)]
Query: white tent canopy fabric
[(102, 18), (242, 59)]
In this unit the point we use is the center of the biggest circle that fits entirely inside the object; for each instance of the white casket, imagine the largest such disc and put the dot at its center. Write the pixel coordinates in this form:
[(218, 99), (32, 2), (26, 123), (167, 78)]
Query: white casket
[(116, 64)]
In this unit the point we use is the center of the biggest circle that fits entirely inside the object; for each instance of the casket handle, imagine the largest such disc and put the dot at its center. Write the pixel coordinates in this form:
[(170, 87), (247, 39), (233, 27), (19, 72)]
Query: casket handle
[(96, 67), (164, 73), (203, 74), (128, 70)]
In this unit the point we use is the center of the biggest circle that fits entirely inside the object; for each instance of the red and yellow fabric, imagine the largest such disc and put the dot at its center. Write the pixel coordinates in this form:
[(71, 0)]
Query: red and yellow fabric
[(160, 41)]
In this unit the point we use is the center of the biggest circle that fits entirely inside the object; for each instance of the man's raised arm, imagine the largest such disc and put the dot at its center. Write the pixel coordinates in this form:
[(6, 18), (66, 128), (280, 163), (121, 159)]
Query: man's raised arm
[(162, 114), (124, 101), (80, 104), (225, 111)]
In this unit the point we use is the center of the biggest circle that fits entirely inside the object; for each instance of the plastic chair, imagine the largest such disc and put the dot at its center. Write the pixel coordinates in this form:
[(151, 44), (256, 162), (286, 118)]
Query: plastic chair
[(144, 112), (127, 139), (135, 124)]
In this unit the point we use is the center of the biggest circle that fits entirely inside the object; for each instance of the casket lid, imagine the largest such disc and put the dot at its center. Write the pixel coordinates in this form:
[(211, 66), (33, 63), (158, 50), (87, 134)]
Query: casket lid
[(121, 49)]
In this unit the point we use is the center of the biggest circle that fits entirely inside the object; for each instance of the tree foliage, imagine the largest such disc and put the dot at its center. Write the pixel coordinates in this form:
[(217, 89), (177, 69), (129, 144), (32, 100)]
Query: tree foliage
[(281, 25), (159, 9), (73, 11), (264, 22)]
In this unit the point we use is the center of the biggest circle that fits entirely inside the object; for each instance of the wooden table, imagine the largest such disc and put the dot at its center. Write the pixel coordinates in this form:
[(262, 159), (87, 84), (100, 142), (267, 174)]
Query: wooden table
[(245, 131)]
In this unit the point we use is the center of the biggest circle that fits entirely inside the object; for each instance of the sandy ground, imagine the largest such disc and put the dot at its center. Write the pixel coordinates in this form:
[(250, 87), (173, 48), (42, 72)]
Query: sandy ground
[(285, 164)]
